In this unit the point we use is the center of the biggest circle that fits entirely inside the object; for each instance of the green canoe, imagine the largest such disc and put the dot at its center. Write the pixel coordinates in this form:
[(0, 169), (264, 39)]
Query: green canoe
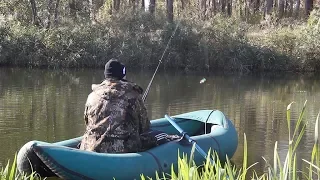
[(209, 128)]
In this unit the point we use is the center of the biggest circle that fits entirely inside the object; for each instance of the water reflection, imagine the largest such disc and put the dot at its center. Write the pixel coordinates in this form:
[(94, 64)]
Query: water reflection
[(47, 105)]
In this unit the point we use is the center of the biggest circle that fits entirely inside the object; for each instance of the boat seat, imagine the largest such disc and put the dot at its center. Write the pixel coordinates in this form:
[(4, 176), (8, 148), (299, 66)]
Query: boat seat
[(162, 137)]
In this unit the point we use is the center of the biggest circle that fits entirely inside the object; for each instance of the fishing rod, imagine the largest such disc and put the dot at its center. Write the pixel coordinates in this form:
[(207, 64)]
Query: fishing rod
[(154, 74)]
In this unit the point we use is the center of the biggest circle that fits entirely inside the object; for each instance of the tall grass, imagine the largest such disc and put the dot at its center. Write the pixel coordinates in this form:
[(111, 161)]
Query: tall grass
[(10, 172), (276, 170)]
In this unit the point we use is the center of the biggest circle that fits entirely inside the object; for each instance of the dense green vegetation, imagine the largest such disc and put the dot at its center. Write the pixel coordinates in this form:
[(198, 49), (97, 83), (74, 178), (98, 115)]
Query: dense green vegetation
[(242, 36)]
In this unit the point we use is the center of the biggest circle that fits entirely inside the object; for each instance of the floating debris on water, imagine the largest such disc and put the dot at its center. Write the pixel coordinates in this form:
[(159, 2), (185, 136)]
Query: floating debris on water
[(203, 80)]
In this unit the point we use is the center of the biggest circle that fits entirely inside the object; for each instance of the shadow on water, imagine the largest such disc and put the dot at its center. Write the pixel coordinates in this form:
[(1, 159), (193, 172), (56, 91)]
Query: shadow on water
[(47, 105)]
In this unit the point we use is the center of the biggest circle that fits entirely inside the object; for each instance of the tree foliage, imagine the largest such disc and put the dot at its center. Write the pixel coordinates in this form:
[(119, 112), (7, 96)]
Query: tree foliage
[(211, 33), (46, 13)]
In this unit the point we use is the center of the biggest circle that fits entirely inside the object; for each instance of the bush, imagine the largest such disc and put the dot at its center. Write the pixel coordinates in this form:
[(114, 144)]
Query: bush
[(219, 43)]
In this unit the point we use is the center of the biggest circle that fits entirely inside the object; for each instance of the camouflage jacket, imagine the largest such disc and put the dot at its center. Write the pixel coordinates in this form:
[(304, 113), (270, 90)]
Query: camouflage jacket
[(115, 118)]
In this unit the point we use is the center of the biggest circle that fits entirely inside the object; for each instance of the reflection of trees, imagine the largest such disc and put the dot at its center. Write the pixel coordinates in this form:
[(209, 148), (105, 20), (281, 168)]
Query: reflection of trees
[(41, 104), (48, 104)]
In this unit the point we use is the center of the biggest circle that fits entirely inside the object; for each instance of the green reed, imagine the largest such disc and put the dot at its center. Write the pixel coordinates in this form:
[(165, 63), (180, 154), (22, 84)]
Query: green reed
[(10, 172), (287, 170)]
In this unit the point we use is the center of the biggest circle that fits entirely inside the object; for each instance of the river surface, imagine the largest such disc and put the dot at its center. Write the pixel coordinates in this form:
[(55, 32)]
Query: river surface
[(47, 105)]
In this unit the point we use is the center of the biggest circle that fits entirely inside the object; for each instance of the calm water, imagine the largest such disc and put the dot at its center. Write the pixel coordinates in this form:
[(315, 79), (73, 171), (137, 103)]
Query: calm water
[(48, 106)]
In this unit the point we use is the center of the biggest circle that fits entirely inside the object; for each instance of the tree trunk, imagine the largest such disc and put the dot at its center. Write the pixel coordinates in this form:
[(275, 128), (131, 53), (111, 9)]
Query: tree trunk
[(203, 8), (275, 4), (116, 5), (150, 5), (49, 12), (183, 4), (56, 11), (297, 8), (281, 8), (229, 7), (210, 8), (268, 9), (146, 5), (256, 6), (290, 7), (73, 9), (34, 12), (92, 12), (170, 10), (309, 6), (214, 6), (246, 9), (223, 6), (142, 4)]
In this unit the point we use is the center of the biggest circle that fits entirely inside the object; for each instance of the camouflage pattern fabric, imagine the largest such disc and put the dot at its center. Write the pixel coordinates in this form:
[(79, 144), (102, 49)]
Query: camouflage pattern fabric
[(116, 118)]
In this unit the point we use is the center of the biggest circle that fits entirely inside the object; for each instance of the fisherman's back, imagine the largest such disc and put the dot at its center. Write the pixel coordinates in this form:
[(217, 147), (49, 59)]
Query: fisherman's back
[(115, 116)]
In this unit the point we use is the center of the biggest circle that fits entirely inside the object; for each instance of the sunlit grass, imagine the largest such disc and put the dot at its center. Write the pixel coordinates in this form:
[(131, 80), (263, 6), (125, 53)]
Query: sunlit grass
[(10, 172)]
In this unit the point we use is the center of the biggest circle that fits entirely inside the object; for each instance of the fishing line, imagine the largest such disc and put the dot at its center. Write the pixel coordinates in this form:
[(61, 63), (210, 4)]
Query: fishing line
[(149, 85), (154, 74)]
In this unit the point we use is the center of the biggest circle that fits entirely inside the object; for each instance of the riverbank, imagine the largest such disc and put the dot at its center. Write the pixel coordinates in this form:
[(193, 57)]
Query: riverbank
[(216, 44)]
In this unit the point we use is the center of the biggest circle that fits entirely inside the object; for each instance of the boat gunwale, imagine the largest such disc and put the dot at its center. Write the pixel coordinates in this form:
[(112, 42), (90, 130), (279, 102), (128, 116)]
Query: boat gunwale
[(222, 131), (178, 120), (64, 144)]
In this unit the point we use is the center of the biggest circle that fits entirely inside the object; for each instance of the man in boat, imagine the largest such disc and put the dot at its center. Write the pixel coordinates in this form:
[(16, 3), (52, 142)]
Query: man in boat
[(115, 115)]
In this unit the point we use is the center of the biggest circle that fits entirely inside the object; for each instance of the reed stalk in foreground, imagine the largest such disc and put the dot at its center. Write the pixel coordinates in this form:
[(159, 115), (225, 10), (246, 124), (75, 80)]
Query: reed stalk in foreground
[(188, 170), (10, 172)]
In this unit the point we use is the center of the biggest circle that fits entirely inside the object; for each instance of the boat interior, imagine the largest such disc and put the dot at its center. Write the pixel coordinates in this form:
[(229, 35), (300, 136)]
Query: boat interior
[(190, 126)]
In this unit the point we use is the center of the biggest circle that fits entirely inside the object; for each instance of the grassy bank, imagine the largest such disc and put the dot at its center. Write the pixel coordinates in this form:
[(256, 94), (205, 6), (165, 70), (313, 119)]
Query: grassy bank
[(139, 40), (275, 169)]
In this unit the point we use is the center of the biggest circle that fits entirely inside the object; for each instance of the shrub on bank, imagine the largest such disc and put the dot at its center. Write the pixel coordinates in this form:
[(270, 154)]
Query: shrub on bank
[(138, 39)]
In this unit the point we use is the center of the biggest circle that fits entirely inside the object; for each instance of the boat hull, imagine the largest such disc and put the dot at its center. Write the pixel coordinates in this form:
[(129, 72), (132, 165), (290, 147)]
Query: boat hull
[(210, 129)]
